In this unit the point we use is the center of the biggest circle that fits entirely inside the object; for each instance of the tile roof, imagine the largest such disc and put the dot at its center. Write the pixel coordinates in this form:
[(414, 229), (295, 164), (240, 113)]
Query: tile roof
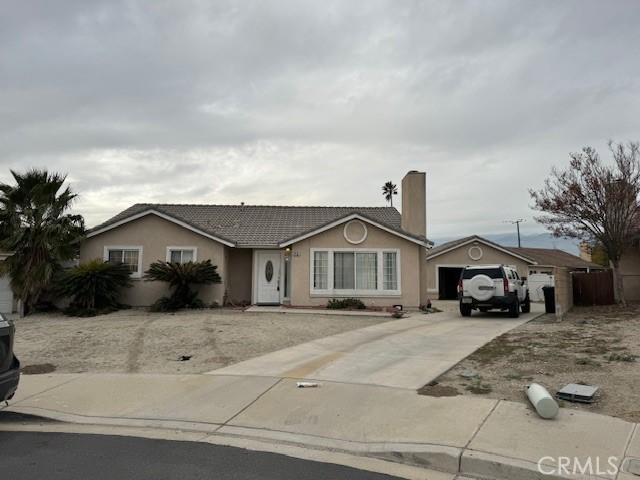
[(453, 243), (260, 225), (555, 257), (539, 256)]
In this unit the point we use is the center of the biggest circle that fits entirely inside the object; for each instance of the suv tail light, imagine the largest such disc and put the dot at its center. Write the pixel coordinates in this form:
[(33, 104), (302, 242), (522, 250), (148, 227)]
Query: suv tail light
[(460, 289), (505, 282)]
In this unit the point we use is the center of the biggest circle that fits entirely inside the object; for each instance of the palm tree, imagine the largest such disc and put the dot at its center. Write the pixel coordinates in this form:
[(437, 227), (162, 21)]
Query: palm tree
[(389, 189), (180, 276), (37, 231), (94, 285)]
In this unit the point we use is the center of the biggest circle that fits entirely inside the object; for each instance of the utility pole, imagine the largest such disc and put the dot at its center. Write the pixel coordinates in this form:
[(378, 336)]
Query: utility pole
[(517, 223)]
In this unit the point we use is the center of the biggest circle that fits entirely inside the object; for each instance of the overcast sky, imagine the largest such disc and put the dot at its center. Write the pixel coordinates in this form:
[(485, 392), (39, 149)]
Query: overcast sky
[(315, 102)]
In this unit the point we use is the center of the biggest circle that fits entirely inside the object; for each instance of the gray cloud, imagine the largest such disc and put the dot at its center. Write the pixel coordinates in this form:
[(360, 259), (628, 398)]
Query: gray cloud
[(314, 102)]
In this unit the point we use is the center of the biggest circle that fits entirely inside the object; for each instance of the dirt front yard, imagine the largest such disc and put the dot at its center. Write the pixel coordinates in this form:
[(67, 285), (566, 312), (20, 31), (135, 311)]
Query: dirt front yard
[(184, 342), (595, 346)]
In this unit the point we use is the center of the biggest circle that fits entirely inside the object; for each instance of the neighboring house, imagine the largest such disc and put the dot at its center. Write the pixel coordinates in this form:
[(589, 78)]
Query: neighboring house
[(445, 262), (585, 251), (302, 256), (630, 271)]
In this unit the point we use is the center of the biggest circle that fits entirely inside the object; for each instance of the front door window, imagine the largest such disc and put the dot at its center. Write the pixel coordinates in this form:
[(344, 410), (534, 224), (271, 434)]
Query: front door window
[(268, 270)]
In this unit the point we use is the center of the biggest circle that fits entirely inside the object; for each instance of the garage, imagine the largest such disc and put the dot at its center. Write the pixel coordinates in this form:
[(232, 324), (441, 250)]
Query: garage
[(448, 278), (6, 295), (445, 262)]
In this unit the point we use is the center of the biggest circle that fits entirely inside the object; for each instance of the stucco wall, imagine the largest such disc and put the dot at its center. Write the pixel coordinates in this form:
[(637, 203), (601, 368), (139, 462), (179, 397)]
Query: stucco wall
[(376, 238), (239, 274), (630, 270), (155, 235), (563, 291), (459, 257)]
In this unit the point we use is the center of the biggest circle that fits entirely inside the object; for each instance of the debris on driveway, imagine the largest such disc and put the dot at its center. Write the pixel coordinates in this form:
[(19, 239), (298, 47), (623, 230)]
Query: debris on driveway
[(433, 389), (542, 401), (184, 358), (307, 385), (578, 393)]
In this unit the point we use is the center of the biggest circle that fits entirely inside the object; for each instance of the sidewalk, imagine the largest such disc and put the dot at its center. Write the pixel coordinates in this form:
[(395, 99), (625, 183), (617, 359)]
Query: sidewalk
[(459, 435)]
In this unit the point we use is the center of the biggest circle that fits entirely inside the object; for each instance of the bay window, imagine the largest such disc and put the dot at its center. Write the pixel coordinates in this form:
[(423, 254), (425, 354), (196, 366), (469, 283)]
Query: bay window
[(355, 272)]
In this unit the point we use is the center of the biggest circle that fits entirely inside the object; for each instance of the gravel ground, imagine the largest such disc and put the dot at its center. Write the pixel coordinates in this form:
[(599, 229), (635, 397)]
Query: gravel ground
[(139, 341), (595, 346)]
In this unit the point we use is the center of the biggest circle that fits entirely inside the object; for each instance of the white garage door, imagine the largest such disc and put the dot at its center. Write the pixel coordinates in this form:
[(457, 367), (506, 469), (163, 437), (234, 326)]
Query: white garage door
[(6, 296), (536, 281)]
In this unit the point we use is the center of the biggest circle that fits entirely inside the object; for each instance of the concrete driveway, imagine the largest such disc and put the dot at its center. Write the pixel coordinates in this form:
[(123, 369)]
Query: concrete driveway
[(404, 353)]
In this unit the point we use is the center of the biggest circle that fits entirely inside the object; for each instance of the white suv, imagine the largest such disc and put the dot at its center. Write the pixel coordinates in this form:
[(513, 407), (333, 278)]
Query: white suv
[(488, 287)]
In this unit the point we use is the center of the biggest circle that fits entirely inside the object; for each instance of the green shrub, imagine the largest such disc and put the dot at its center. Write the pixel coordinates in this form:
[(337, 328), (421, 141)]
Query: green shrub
[(344, 303), (94, 287), (180, 277)]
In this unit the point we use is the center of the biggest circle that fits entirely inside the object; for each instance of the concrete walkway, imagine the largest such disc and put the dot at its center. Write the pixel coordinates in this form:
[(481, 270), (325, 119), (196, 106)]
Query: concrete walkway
[(316, 311), (406, 353), (460, 435)]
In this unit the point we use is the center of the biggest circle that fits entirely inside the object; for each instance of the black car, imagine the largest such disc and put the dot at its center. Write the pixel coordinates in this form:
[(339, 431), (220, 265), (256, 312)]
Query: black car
[(9, 364)]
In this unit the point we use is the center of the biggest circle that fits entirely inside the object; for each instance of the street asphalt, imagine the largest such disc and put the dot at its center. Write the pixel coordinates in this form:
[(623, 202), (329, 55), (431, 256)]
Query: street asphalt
[(53, 456)]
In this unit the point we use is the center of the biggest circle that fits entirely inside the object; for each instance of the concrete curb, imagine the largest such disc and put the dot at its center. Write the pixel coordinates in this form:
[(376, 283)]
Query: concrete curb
[(316, 455), (487, 465), (442, 458)]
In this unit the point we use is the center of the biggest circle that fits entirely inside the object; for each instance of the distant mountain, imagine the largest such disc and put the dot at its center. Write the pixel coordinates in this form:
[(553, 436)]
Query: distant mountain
[(534, 240)]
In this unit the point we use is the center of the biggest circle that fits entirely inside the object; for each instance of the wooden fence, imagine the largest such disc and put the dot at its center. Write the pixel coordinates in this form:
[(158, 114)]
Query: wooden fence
[(593, 288)]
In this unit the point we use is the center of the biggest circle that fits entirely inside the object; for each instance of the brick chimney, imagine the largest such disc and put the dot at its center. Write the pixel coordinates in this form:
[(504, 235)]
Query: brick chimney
[(414, 203)]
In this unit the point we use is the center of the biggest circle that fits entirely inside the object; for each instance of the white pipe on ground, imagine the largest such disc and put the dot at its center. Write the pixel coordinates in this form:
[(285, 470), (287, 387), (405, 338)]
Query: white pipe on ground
[(542, 401)]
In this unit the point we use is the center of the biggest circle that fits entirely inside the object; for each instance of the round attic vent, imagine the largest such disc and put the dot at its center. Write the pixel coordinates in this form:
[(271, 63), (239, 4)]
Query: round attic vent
[(355, 232), (475, 253)]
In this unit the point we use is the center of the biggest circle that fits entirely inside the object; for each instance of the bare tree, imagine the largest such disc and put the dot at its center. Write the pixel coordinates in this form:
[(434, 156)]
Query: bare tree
[(595, 201)]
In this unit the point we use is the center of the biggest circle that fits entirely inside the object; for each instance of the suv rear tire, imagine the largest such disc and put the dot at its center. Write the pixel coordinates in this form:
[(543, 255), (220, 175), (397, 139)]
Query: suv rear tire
[(465, 309), (526, 305), (514, 309)]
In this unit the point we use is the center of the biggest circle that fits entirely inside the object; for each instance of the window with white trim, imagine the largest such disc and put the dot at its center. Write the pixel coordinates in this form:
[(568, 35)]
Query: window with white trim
[(355, 272), (129, 256), (390, 270), (320, 270), (181, 254)]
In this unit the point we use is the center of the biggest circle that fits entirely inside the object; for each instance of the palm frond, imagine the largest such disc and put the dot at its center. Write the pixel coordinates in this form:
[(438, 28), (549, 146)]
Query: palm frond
[(180, 276)]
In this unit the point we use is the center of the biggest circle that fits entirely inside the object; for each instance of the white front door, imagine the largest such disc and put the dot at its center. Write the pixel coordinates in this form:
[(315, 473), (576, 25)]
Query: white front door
[(268, 277)]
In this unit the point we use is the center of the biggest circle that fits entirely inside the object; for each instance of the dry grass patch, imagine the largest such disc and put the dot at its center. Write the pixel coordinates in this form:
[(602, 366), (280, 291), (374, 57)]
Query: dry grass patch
[(137, 341), (595, 346)]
